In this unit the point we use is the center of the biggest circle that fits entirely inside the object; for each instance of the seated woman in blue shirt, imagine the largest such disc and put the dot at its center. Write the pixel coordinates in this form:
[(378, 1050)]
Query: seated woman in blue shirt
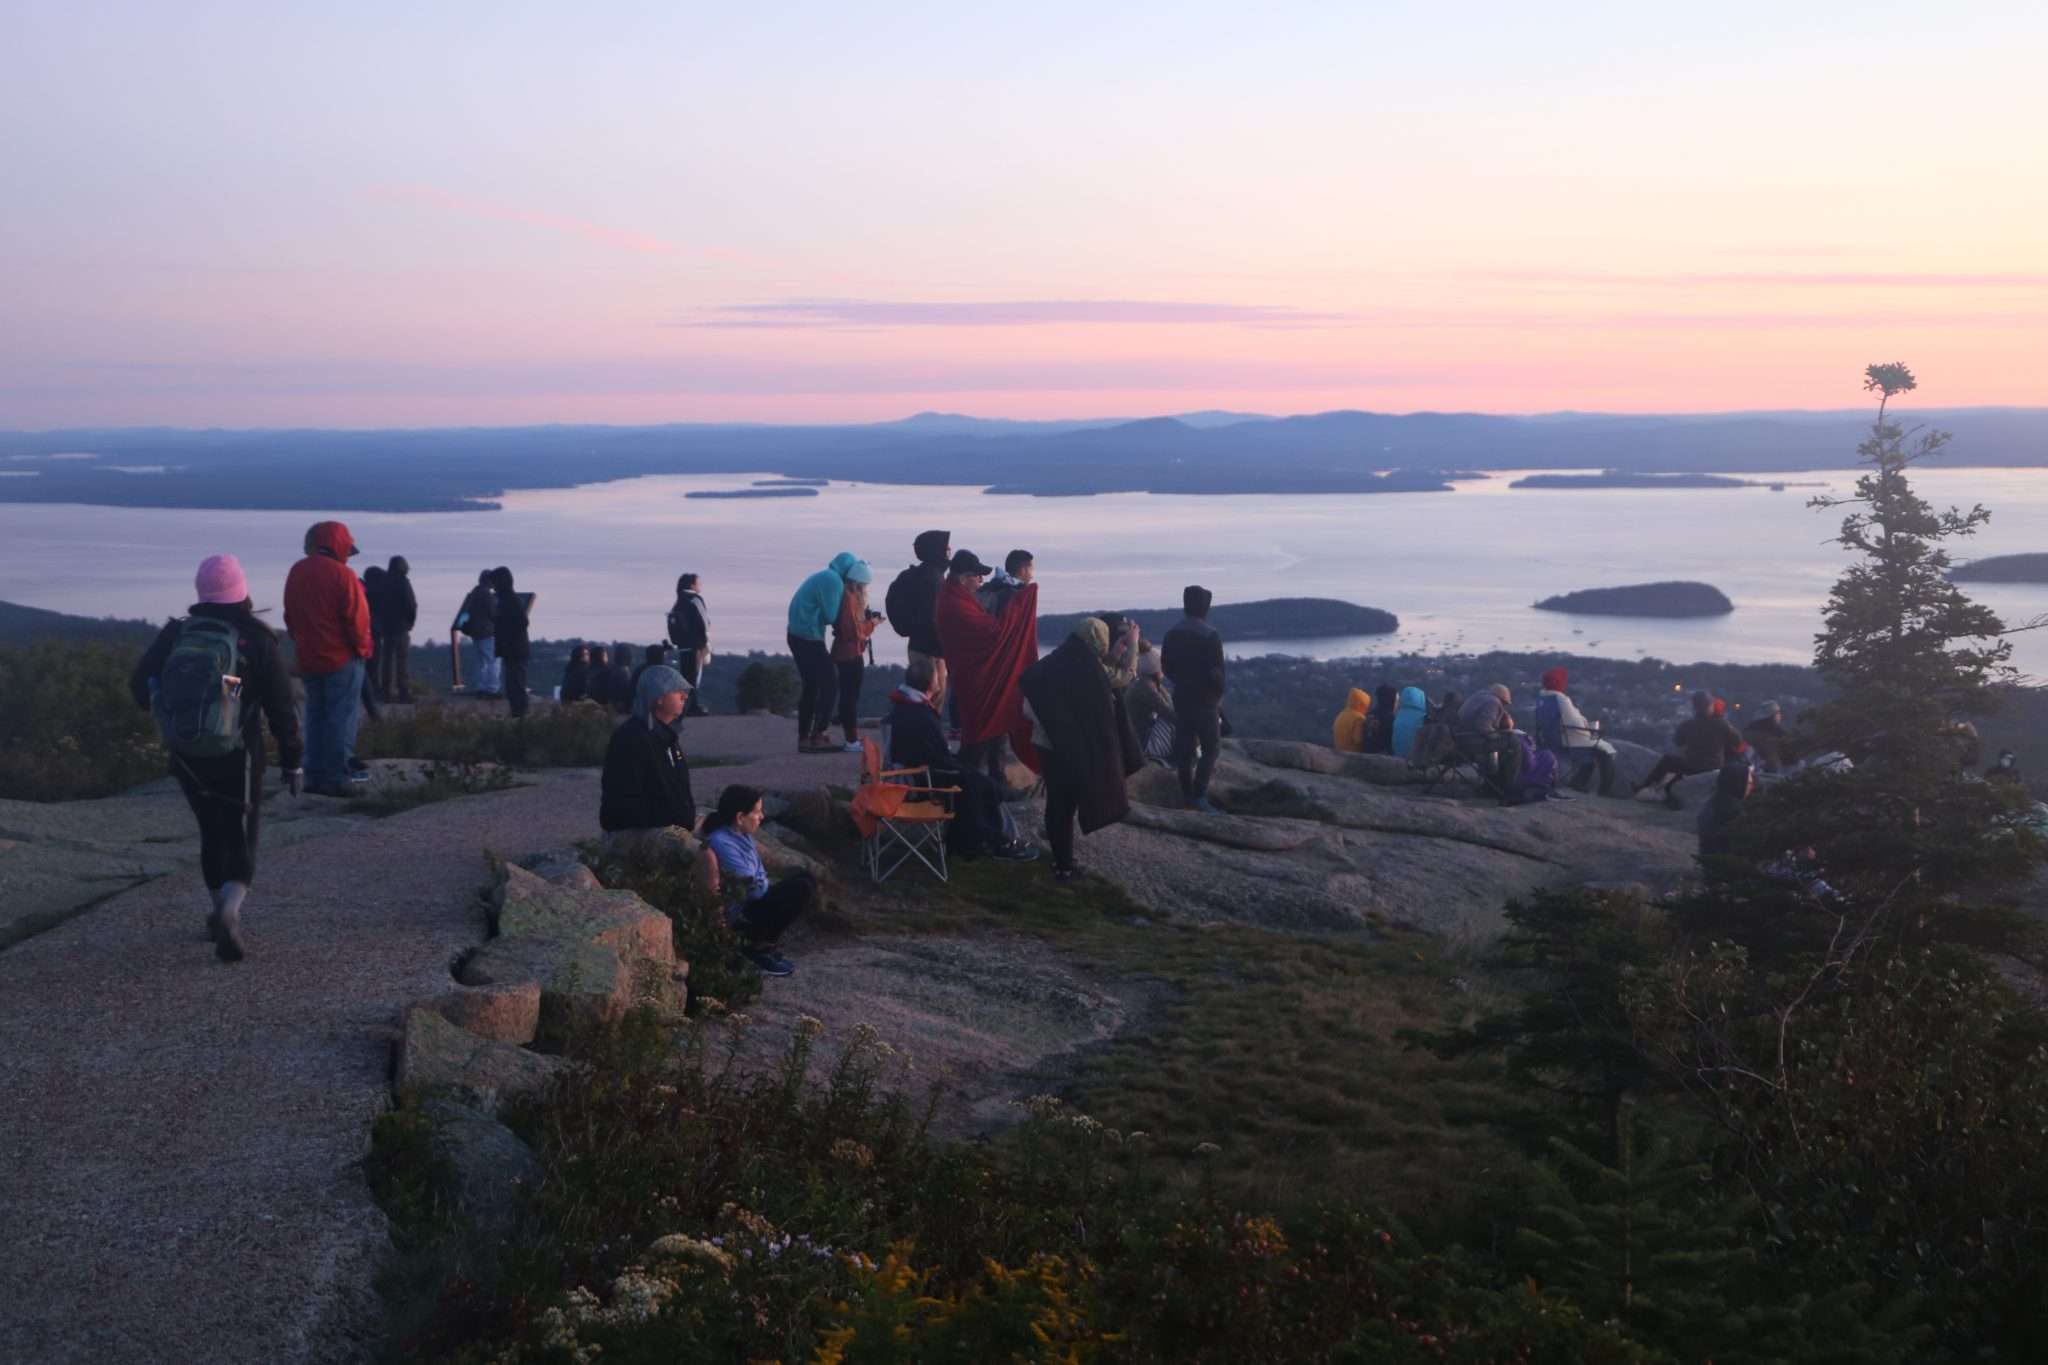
[(729, 867)]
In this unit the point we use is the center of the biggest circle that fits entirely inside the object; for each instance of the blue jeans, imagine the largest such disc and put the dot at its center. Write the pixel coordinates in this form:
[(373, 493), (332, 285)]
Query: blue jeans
[(489, 674), (333, 703)]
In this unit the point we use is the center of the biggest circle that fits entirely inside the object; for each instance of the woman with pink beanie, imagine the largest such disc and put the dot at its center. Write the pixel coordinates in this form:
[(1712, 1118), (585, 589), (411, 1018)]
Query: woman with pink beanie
[(211, 679)]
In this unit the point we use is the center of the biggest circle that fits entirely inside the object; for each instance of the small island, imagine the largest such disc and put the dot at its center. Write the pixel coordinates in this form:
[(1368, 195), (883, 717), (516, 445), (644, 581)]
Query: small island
[(1673, 599), (754, 493), (1614, 478), (789, 483), (1273, 618), (2003, 569)]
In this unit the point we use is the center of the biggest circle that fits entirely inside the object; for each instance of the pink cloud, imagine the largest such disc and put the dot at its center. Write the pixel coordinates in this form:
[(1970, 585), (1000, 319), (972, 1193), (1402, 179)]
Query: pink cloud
[(838, 314)]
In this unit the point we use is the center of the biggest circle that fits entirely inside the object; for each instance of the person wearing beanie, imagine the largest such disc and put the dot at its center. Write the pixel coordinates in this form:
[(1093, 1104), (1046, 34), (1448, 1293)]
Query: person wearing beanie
[(394, 632), (1704, 743), (646, 783), (1564, 729), (221, 772), (329, 620), (851, 629), (1191, 656)]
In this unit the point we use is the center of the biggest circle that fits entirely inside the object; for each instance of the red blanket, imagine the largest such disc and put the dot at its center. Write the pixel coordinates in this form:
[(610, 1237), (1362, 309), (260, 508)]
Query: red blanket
[(985, 655)]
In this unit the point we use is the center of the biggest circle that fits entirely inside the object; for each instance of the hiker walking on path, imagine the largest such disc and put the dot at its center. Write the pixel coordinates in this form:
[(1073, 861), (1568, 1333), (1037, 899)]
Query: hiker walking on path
[(1192, 658), (514, 648), (212, 679), (329, 622), (729, 869), (394, 632), (987, 654), (478, 619), (646, 784), (1564, 730), (689, 630), (851, 630), (1705, 743), (912, 603), (812, 610), (1080, 739)]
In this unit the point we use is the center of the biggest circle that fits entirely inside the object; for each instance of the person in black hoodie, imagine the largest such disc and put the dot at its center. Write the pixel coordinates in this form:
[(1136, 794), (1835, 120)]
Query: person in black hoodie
[(689, 630), (598, 682), (478, 619), (646, 784), (393, 629), (377, 595), (913, 598), (576, 675), (515, 649), (1192, 659), (225, 790)]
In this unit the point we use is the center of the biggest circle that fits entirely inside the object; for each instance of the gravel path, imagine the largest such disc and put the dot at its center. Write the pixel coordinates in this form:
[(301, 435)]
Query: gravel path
[(179, 1140)]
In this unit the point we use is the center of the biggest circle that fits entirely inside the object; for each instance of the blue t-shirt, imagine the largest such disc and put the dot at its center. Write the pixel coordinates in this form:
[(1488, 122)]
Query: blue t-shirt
[(739, 860)]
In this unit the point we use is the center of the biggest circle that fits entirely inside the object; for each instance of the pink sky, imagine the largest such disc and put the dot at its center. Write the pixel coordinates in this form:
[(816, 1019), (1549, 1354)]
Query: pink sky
[(379, 217)]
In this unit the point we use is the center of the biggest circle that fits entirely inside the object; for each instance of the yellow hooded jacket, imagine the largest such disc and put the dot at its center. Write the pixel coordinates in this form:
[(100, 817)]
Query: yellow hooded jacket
[(1347, 734)]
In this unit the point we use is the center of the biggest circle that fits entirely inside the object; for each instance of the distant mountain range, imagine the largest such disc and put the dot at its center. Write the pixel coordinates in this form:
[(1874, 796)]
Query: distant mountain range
[(451, 469)]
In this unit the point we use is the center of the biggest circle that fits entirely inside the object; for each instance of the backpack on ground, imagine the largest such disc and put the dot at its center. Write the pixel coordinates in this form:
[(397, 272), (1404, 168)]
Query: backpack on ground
[(901, 601), (198, 702), (1549, 725)]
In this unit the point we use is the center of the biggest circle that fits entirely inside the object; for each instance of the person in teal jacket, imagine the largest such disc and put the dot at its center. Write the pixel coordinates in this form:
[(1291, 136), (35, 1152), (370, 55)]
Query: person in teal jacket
[(811, 613), (1408, 715)]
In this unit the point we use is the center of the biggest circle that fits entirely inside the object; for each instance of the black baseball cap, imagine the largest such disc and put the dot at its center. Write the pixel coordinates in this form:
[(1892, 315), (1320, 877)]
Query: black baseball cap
[(964, 562)]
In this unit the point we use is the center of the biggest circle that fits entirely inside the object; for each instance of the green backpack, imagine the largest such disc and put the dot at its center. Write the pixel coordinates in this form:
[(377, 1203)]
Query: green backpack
[(198, 702)]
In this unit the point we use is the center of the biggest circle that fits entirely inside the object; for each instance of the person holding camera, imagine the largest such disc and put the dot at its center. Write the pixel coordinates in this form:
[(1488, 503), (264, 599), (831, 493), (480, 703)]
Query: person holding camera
[(851, 630)]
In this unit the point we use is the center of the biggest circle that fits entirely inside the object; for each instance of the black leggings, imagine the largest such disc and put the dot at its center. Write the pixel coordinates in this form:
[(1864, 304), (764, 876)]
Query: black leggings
[(763, 919), (849, 673), (226, 796), (1061, 802), (821, 681), (1197, 725)]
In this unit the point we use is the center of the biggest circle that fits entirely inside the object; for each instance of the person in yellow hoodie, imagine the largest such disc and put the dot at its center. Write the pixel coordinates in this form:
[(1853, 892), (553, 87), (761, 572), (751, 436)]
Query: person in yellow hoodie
[(1347, 732)]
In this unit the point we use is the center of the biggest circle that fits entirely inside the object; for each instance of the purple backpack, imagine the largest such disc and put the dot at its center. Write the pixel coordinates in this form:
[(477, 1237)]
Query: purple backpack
[(1539, 766)]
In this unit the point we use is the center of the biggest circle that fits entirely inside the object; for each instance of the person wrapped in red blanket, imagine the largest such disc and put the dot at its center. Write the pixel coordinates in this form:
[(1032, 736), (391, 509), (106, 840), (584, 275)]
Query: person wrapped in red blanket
[(985, 657)]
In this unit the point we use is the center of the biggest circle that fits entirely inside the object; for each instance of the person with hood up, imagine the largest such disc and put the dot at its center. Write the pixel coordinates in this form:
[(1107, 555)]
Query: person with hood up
[(913, 598), (986, 654), (328, 619), (917, 739), (1192, 658), (812, 610), (1704, 743), (1079, 738), (515, 648), (850, 631), (374, 596), (1562, 728), (1347, 732), (689, 630), (478, 619), (1411, 713), (729, 871), (576, 675), (393, 629), (1484, 731), (1379, 722), (1731, 788), (216, 757), (646, 784)]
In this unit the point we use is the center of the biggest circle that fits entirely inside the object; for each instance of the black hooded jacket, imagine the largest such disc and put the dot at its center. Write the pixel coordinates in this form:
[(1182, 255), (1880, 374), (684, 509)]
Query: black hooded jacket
[(913, 599), (513, 644), (401, 606), (1093, 748)]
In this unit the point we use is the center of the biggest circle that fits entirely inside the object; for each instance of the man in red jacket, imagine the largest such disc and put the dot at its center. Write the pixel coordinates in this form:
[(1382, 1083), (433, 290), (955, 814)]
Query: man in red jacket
[(329, 620)]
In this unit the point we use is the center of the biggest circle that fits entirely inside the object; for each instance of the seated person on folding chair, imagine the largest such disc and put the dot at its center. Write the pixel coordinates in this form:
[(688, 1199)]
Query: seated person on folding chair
[(917, 739), (730, 869), (1485, 734), (1564, 730)]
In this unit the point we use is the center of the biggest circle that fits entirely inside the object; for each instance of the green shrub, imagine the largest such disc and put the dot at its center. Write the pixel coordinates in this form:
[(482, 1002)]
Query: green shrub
[(547, 737), (68, 728), (766, 685)]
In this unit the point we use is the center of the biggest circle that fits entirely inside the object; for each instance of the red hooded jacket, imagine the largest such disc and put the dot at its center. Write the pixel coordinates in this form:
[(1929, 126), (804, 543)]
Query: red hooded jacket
[(324, 606)]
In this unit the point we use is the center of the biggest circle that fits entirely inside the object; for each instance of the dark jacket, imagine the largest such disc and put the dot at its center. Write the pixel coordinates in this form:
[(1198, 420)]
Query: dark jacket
[(1093, 749), (1707, 742), (479, 614), (912, 604), (1379, 722), (687, 628), (576, 680), (402, 605), (598, 682), (376, 595), (1192, 659), (266, 686), (619, 688), (509, 619), (646, 779), (1722, 809), (917, 738)]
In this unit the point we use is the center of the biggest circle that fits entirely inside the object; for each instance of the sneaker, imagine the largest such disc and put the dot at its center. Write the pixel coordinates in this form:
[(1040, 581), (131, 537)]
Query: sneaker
[(769, 962), (227, 942), (852, 746), (1018, 852), (1067, 874)]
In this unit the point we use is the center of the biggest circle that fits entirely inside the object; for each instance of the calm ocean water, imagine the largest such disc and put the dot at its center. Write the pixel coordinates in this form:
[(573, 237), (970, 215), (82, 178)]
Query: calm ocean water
[(1460, 569)]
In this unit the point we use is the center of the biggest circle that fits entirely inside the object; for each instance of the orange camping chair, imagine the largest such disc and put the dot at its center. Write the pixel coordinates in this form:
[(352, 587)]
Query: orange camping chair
[(900, 815)]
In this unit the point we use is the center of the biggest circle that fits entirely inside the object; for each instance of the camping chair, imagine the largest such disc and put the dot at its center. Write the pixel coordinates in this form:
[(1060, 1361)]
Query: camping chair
[(900, 815), (1438, 758)]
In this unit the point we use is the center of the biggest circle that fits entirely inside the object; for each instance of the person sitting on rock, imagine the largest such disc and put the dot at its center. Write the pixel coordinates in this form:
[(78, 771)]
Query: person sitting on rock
[(1484, 731), (1150, 707), (1348, 731), (645, 806), (917, 739), (598, 681), (1705, 743), (1411, 712), (1379, 721), (1564, 730), (729, 870), (576, 675)]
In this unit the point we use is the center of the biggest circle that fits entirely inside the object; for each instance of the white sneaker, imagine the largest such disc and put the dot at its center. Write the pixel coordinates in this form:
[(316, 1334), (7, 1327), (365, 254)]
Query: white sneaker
[(852, 747)]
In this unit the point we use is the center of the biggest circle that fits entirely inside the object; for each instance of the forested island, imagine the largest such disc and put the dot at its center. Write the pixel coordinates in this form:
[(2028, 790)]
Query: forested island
[(1615, 478), (1676, 599), (2003, 569), (1273, 618), (774, 492)]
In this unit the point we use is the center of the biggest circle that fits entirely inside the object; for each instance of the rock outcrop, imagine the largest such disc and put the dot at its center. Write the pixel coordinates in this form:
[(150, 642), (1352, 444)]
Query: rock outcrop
[(436, 1056)]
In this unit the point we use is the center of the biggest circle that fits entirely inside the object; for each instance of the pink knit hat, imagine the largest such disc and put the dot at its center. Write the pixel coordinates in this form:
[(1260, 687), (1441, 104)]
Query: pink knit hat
[(221, 579)]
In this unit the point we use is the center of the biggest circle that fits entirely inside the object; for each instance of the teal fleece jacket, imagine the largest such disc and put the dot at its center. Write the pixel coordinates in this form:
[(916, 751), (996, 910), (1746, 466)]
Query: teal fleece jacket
[(816, 604)]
